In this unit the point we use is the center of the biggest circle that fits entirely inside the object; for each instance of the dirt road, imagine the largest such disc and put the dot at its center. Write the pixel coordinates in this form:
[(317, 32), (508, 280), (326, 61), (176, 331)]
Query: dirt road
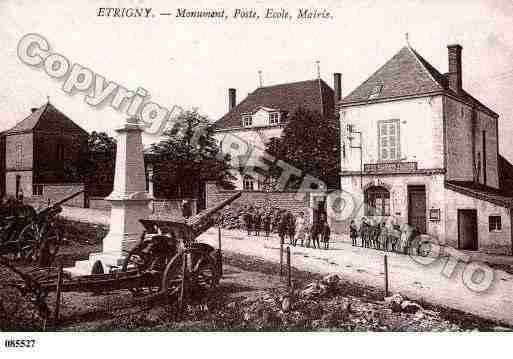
[(365, 266)]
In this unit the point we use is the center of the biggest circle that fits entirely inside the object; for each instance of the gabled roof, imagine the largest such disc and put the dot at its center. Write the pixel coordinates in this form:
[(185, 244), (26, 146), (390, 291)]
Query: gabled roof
[(407, 74), (47, 112), (314, 95)]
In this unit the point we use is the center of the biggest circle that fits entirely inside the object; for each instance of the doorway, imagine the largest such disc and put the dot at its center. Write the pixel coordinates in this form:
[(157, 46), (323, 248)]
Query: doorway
[(319, 209), (417, 207), (18, 180), (467, 229)]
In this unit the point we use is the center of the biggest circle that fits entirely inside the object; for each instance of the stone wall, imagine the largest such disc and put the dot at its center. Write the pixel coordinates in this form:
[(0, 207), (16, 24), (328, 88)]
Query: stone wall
[(290, 200), (171, 207), (57, 192), (81, 231), (98, 203)]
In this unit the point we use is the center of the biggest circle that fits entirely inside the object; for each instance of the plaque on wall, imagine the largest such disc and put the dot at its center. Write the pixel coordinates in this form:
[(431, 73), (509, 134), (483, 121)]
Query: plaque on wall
[(390, 167), (434, 214)]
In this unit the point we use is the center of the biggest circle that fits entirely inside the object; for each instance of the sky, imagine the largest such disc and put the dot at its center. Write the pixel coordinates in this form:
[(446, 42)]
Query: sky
[(192, 63)]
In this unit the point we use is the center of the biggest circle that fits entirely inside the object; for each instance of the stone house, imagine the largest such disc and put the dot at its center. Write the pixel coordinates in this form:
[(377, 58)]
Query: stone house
[(417, 148), (41, 155), (262, 116)]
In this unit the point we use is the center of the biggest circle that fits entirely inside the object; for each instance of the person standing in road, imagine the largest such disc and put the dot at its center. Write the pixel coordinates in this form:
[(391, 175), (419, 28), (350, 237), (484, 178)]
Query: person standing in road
[(353, 232), (291, 227), (257, 222), (283, 227)]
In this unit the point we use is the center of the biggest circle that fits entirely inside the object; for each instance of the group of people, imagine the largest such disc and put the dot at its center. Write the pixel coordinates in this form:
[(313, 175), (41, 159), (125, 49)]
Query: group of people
[(258, 221), (382, 237), (295, 228)]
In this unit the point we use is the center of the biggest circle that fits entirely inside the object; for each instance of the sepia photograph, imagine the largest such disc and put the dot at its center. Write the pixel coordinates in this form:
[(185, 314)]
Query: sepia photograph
[(258, 168)]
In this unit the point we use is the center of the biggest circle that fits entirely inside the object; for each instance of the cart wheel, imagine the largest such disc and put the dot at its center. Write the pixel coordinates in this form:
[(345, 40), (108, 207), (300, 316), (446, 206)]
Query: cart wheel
[(205, 274), (28, 242), (172, 276), (39, 244), (140, 262)]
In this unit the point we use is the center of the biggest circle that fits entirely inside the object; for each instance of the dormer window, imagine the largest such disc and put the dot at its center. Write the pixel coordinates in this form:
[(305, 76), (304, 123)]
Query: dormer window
[(376, 90), (247, 120), (274, 118)]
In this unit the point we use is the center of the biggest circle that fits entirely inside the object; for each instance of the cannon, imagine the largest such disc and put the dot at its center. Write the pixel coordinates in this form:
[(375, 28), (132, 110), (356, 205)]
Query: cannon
[(166, 261), (33, 235)]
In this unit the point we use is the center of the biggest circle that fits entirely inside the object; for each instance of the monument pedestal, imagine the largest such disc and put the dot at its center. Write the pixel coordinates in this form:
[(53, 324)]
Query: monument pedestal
[(129, 203)]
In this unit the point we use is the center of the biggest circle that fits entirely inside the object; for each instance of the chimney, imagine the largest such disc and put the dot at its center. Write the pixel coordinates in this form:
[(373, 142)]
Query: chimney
[(337, 86), (454, 75), (232, 101)]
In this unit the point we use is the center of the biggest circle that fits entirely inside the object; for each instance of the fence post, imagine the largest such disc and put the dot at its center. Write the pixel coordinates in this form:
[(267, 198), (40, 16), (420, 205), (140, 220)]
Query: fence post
[(386, 275), (281, 257), (58, 295), (183, 285), (289, 282), (219, 252)]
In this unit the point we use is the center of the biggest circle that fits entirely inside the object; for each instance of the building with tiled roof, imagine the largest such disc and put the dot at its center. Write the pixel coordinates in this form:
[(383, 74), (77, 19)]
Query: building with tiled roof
[(263, 114), (418, 149), (44, 150)]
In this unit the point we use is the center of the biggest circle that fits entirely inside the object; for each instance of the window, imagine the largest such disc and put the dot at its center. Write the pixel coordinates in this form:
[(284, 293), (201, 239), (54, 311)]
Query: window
[(274, 118), (494, 223), (37, 189), (377, 201), (376, 90), (247, 120), (248, 183), (389, 140), (19, 155)]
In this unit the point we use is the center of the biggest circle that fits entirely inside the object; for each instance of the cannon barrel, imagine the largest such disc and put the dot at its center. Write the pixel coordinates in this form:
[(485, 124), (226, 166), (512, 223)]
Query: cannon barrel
[(191, 227), (55, 206), (202, 221)]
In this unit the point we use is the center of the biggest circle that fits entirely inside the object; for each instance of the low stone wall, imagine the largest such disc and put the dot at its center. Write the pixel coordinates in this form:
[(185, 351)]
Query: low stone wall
[(98, 203), (81, 231), (171, 207), (55, 192)]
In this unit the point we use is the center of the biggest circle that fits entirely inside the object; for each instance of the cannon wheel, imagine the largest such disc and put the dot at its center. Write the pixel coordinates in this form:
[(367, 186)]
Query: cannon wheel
[(136, 260), (202, 272), (39, 243)]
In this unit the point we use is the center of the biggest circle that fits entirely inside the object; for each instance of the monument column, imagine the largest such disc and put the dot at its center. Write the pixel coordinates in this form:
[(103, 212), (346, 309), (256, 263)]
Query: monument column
[(129, 202), (129, 199)]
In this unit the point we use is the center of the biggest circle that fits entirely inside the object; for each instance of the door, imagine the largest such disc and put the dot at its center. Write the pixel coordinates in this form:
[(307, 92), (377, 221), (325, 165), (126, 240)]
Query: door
[(18, 179), (319, 209), (467, 229), (417, 207)]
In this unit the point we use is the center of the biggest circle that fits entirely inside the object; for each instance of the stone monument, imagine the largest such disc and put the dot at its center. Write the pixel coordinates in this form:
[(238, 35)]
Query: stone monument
[(129, 202)]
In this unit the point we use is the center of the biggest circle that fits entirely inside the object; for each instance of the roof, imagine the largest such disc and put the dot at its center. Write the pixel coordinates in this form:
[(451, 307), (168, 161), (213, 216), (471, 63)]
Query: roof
[(314, 95), (481, 192), (407, 74), (47, 112)]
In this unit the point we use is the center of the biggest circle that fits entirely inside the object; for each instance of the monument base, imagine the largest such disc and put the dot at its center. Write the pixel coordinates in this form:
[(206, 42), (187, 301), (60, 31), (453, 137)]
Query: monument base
[(109, 259)]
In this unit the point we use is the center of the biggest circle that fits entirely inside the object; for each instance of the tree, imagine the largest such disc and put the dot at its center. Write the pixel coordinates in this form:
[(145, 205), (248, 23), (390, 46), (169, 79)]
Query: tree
[(309, 142), (99, 173), (188, 157)]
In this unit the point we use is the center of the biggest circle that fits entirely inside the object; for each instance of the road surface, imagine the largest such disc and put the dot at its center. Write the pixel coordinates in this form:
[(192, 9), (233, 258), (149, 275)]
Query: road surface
[(431, 283)]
